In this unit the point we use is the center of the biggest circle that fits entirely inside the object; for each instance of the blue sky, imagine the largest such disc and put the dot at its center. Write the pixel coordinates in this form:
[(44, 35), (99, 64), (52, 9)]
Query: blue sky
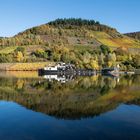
[(18, 15)]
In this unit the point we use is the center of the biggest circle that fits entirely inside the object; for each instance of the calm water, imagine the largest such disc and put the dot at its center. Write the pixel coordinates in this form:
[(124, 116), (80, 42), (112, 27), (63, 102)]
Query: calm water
[(71, 108)]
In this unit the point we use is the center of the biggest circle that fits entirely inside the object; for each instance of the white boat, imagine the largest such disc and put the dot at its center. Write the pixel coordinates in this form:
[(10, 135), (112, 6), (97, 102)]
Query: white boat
[(65, 69), (59, 68)]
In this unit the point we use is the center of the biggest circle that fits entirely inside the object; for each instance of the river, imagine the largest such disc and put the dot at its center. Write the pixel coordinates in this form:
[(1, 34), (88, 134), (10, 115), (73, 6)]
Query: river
[(69, 108)]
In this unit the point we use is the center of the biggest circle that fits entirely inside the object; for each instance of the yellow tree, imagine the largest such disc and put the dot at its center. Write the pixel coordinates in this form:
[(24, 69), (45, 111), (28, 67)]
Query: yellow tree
[(19, 56), (94, 64)]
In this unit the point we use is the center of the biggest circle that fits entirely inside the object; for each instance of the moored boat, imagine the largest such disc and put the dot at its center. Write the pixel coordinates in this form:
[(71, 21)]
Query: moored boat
[(65, 69)]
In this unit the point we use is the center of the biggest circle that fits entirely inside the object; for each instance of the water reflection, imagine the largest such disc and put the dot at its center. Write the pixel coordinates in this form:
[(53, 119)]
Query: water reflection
[(59, 78), (76, 98)]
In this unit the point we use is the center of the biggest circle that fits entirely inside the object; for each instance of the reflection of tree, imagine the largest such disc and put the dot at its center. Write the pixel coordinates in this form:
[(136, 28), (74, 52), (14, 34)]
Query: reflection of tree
[(20, 84), (83, 97)]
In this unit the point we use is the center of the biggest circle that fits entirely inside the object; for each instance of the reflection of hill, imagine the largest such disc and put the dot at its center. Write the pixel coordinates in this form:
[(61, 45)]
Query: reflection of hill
[(84, 97)]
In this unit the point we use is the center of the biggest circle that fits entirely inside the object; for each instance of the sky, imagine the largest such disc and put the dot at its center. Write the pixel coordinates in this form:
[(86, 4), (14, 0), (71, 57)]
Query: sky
[(18, 15)]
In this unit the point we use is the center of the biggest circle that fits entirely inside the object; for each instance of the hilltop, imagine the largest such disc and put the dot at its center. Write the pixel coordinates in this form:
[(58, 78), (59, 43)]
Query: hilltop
[(71, 32), (86, 43)]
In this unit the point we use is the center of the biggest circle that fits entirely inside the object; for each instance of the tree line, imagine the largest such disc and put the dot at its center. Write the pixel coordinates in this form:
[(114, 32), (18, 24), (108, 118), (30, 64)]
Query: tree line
[(78, 22)]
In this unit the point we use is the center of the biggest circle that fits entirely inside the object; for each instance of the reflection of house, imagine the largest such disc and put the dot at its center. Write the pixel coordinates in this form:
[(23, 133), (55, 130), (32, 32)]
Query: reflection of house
[(59, 78)]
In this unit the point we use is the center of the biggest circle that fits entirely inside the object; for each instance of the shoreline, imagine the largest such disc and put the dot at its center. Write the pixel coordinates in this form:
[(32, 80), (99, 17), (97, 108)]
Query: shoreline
[(34, 66), (31, 67)]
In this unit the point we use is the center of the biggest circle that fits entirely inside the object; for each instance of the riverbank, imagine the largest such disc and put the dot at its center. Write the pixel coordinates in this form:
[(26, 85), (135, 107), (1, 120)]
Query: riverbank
[(34, 66), (23, 66)]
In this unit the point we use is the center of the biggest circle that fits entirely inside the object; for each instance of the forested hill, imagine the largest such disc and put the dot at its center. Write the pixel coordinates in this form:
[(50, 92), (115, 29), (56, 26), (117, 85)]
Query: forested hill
[(73, 23), (135, 35), (71, 32), (85, 43)]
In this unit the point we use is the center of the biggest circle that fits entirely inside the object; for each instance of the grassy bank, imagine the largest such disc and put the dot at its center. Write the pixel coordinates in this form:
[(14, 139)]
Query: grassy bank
[(19, 74), (23, 66)]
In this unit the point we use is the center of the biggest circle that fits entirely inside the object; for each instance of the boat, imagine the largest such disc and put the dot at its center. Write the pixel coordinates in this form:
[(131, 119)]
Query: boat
[(58, 68), (65, 69)]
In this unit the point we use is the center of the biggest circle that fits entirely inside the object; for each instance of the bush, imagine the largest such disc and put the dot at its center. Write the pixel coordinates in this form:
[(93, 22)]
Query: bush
[(41, 53), (20, 49), (105, 49)]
